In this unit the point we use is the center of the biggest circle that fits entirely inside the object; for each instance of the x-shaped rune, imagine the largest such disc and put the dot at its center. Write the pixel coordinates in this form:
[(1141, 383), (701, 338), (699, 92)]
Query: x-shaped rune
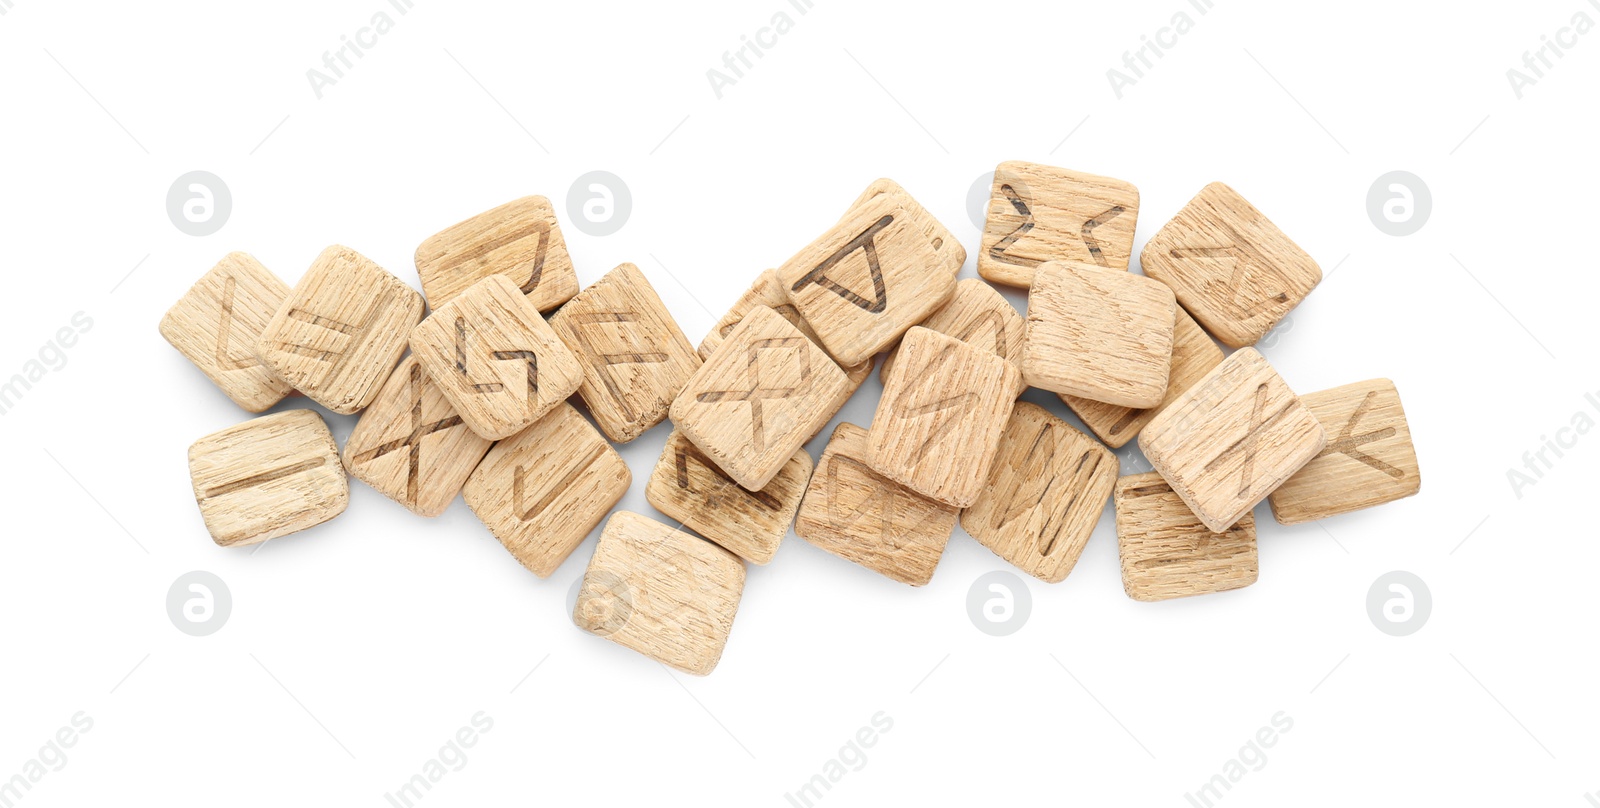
[(757, 394), (412, 441), (1347, 441)]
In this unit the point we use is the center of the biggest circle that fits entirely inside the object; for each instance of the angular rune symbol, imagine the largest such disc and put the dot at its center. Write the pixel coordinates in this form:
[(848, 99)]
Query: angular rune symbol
[(519, 487), (604, 361), (1347, 442), (724, 490), (1239, 294), (885, 495), (866, 242), (496, 387), (348, 329), (413, 441), (1088, 233), (1260, 421), (757, 394), (535, 267), (943, 424), (998, 251)]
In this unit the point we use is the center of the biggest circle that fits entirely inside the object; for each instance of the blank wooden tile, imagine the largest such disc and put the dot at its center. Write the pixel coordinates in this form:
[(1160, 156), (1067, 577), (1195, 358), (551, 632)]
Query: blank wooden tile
[(496, 360), (1166, 551), (761, 396), (979, 316), (541, 491), (1232, 439), (217, 322), (1046, 491), (768, 291), (939, 421), (1231, 267), (945, 245), (861, 516), (1193, 356), (661, 591), (341, 331), (411, 445), (1100, 334), (635, 358), (520, 240), (1038, 214), (688, 487), (1369, 459), (267, 477)]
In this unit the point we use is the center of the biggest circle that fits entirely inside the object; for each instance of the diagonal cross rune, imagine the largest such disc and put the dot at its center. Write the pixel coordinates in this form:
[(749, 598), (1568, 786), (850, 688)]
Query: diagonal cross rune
[(413, 441)]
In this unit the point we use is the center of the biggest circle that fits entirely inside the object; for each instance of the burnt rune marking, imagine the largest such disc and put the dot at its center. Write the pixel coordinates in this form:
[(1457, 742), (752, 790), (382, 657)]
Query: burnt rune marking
[(867, 243), (412, 441)]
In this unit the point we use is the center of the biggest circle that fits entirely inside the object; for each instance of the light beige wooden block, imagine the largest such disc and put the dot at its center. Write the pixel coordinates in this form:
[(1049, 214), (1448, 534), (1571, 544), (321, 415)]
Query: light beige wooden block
[(862, 516), (216, 323), (1046, 491), (951, 254), (865, 282), (541, 491), (411, 445), (1193, 356), (662, 592), (688, 487), (635, 358), (267, 477), (939, 421), (1231, 267), (520, 240), (495, 359), (759, 398), (1232, 439), (1166, 551), (979, 316), (768, 291), (1100, 334), (340, 333), (1369, 459), (1039, 214)]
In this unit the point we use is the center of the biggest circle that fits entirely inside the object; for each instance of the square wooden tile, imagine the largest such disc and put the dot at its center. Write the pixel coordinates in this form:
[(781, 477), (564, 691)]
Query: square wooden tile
[(1369, 459), (862, 516), (688, 487), (944, 243), (662, 592), (941, 415), (267, 477), (520, 240), (495, 359), (541, 491), (1039, 214), (1047, 488), (768, 291), (1231, 267), (1193, 356), (411, 445), (1232, 439), (342, 330), (1166, 551), (1100, 334), (761, 396), (635, 358), (217, 322), (979, 316)]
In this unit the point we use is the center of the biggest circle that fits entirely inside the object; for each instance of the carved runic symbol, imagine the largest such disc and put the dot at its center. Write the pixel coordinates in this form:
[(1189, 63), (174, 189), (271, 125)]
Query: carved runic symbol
[(943, 421), (1088, 233), (1020, 205), (757, 394), (225, 330), (535, 268), (525, 510), (353, 331), (724, 490), (603, 361), (1347, 442), (886, 495), (1260, 421), (1239, 294), (413, 441), (867, 243), (496, 387)]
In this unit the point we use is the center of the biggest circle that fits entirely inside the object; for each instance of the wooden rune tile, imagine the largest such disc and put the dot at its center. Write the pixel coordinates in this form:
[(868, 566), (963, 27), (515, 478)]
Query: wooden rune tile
[(1369, 459), (979, 316), (1100, 334), (1039, 214), (520, 240), (216, 325), (768, 291), (267, 477), (1167, 553), (944, 243), (688, 487), (1193, 356)]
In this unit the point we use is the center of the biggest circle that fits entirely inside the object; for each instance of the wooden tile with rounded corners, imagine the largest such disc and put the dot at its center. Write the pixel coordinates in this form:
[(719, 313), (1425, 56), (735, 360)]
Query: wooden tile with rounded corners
[(635, 358), (1232, 438), (217, 322), (520, 240), (979, 316), (411, 445), (1039, 214), (768, 291), (1369, 459), (861, 516), (1047, 488), (688, 487), (945, 244), (495, 359), (661, 591), (939, 421), (342, 330), (541, 491), (1193, 356), (1231, 267), (1100, 334), (267, 477), (1167, 553)]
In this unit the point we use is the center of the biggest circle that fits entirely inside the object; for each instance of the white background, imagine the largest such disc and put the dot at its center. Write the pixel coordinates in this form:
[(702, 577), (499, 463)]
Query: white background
[(357, 649)]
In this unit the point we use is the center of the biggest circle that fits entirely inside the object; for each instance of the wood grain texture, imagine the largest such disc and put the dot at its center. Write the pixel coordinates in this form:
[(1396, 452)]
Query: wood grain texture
[(1039, 214), (862, 516), (1046, 491), (411, 445), (688, 487), (1167, 553), (542, 490), (1231, 267), (217, 322), (338, 336), (267, 477), (759, 398), (1232, 439), (1193, 356), (1100, 334), (497, 361), (944, 243), (635, 358), (520, 240), (979, 316), (662, 592), (1369, 459), (939, 421)]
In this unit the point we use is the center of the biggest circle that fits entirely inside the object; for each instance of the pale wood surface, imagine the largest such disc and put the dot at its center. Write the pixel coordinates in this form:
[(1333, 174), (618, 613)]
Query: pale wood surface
[(979, 316), (1100, 334), (267, 477), (688, 487), (1194, 354), (768, 291), (1369, 459), (1167, 553), (944, 243), (217, 322), (1039, 213), (520, 240)]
